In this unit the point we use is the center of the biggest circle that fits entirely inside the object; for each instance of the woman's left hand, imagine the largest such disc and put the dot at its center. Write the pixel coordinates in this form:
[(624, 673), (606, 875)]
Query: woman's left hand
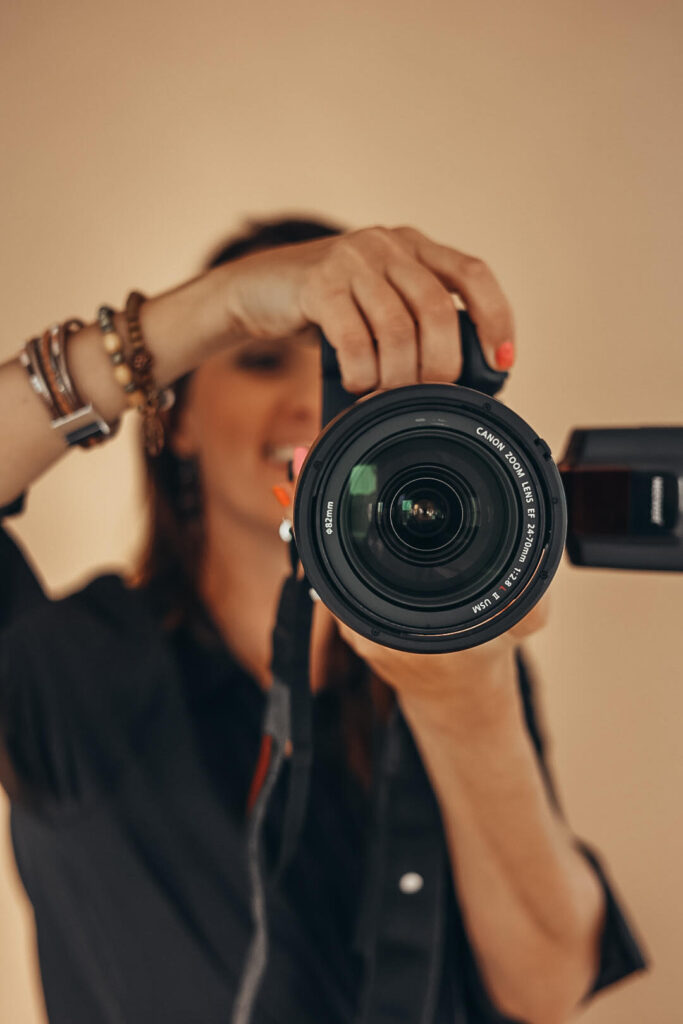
[(434, 676)]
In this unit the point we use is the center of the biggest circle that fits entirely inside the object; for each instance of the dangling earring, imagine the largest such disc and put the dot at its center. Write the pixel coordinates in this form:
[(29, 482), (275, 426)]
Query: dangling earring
[(189, 490)]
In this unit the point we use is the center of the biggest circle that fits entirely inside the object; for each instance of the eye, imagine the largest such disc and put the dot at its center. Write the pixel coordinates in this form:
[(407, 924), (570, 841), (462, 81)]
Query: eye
[(262, 360)]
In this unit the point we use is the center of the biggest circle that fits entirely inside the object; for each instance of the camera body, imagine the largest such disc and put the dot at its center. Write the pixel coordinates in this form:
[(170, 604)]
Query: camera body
[(433, 518)]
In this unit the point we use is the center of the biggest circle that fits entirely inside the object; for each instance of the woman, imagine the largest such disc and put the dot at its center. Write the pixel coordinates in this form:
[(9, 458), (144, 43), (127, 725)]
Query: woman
[(132, 715)]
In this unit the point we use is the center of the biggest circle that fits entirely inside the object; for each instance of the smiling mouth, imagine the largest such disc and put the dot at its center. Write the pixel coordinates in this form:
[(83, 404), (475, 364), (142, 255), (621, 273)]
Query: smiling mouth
[(282, 454)]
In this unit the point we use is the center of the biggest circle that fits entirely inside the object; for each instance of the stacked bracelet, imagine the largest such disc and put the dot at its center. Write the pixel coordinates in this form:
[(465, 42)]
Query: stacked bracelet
[(30, 360), (46, 363), (58, 337)]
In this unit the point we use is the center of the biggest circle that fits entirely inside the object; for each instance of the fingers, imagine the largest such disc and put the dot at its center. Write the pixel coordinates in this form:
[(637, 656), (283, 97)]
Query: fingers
[(392, 326), (534, 620), (348, 333), (474, 281), (350, 322), (395, 286), (440, 350)]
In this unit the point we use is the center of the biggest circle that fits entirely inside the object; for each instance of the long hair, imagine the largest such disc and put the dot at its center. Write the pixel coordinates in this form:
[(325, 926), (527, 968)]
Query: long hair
[(172, 551)]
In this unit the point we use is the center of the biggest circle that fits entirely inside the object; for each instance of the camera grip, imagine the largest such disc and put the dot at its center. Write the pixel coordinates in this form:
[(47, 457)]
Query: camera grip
[(476, 373)]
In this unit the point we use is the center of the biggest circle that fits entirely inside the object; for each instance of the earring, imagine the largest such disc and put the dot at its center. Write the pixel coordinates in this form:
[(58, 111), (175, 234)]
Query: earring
[(189, 490)]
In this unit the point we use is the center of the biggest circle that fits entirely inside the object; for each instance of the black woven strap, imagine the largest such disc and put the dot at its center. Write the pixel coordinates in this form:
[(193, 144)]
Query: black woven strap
[(288, 717), (290, 666), (276, 725)]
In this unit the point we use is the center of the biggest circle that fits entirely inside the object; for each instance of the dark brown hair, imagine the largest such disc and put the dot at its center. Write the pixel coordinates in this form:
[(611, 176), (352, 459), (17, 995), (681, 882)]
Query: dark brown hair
[(169, 564), (172, 549)]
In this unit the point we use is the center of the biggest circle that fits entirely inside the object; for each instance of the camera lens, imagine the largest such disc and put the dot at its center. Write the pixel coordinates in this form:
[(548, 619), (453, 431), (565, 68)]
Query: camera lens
[(425, 514)]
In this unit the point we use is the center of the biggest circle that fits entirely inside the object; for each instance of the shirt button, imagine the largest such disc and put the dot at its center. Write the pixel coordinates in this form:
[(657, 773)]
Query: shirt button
[(411, 882)]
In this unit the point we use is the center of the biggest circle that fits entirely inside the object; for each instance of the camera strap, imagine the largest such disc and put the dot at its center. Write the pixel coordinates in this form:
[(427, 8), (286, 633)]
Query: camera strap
[(288, 719), (290, 665)]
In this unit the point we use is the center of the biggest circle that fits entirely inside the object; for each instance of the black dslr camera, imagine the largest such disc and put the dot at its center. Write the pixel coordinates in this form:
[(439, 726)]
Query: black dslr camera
[(432, 518)]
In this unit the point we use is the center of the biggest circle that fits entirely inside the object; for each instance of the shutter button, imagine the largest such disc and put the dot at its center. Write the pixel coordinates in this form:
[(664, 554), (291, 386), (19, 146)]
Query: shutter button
[(410, 883)]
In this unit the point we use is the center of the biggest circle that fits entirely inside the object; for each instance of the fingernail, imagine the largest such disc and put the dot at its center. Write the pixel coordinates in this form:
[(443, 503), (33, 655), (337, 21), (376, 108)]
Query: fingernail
[(505, 355), (282, 496)]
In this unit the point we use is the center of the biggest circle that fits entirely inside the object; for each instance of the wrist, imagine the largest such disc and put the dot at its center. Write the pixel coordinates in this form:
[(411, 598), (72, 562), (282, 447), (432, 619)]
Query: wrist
[(186, 325), (482, 697), (216, 309)]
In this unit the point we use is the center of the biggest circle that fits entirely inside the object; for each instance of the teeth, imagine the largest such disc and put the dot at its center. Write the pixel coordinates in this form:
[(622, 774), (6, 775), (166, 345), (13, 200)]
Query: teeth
[(282, 452)]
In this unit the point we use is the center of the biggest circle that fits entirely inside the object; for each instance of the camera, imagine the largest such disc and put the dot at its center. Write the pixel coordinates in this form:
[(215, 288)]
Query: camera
[(432, 517)]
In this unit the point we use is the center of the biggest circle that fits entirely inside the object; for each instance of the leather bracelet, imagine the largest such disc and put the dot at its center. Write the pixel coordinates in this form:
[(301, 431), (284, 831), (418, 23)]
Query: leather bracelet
[(30, 360), (59, 336), (78, 421), (45, 361), (53, 376)]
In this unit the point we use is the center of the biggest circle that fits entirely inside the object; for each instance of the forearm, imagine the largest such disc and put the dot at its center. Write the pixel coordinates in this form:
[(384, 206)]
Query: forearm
[(532, 906), (182, 327)]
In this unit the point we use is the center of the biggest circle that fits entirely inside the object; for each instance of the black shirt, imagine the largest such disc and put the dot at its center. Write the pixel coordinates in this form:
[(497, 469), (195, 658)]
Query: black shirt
[(132, 749)]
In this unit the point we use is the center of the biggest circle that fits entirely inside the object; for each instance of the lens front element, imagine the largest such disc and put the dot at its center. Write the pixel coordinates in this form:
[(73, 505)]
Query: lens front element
[(431, 533), (425, 514)]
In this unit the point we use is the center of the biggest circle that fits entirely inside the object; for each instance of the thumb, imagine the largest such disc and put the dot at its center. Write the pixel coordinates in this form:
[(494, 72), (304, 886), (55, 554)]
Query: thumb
[(534, 620)]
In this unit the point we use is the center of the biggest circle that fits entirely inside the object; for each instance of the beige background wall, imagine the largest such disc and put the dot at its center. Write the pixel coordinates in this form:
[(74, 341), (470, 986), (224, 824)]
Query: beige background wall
[(540, 136)]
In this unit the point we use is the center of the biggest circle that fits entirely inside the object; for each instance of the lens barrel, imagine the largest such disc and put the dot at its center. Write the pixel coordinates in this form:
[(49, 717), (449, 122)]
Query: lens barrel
[(429, 518)]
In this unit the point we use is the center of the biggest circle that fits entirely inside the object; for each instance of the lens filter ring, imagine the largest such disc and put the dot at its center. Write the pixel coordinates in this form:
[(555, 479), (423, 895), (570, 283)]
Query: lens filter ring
[(437, 593)]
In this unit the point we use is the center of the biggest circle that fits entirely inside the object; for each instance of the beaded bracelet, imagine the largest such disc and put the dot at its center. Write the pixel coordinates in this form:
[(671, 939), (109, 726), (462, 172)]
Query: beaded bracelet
[(113, 346), (133, 372), (142, 364)]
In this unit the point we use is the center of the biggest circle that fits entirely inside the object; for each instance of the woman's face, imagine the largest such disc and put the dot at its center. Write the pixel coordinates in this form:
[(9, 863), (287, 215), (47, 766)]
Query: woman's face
[(245, 411)]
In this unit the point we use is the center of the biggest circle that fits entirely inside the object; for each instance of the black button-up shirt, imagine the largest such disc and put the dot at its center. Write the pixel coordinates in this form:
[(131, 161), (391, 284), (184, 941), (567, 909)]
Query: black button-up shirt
[(131, 750)]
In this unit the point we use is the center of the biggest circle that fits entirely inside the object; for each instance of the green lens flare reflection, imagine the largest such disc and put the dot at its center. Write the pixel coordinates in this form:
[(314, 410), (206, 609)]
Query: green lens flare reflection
[(363, 479)]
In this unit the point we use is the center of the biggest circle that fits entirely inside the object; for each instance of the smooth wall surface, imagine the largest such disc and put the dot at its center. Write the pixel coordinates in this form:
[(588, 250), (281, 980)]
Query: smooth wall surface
[(544, 138)]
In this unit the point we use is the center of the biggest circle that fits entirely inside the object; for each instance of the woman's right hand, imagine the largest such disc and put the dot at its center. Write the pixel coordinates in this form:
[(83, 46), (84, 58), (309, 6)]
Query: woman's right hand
[(392, 285)]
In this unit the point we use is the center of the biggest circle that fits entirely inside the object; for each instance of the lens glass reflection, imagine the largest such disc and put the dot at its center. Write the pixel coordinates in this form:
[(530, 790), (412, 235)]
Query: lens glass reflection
[(425, 514), (428, 519)]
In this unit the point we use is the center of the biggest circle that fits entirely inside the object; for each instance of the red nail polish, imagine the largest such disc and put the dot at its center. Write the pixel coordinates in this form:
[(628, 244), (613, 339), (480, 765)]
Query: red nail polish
[(505, 355)]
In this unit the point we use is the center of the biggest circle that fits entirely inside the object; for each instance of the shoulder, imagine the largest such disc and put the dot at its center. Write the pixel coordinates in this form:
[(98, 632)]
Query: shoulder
[(99, 652), (88, 621), (81, 680)]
